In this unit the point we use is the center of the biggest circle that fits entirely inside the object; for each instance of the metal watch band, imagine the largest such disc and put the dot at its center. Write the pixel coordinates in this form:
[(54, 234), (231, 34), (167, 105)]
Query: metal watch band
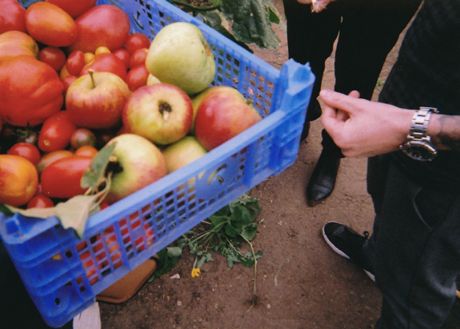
[(420, 122), (418, 144)]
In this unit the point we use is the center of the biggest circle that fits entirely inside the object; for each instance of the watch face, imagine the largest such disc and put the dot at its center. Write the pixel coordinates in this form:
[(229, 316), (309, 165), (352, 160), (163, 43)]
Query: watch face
[(420, 151)]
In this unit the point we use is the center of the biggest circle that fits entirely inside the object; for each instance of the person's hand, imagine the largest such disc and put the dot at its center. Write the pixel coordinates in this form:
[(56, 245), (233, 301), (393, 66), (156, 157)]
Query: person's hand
[(316, 5), (361, 127)]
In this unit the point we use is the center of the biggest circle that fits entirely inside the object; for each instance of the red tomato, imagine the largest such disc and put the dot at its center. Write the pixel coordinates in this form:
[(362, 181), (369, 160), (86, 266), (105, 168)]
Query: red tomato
[(51, 25), (40, 201), (102, 26), (74, 7), (137, 41), (138, 57), (75, 63), (26, 150), (51, 157), (18, 180), (12, 17), (137, 77), (61, 179), (52, 56), (86, 151), (34, 91), (107, 63), (82, 137), (56, 132), (123, 55)]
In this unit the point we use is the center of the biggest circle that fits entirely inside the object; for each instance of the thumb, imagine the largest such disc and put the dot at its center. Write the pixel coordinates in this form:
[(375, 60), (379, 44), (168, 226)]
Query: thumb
[(349, 104), (332, 120)]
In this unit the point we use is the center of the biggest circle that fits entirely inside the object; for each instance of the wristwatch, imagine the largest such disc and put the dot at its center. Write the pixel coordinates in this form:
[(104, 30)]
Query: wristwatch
[(418, 145)]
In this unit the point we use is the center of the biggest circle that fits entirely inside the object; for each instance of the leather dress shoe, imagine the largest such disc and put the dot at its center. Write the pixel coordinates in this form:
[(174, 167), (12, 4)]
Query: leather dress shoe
[(322, 181)]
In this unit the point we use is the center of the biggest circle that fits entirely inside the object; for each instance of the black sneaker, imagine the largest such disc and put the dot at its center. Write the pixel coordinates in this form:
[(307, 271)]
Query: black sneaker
[(349, 244)]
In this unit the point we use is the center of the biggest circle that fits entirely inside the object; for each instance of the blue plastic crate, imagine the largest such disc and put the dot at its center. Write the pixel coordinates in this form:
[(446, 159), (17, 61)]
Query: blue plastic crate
[(63, 274)]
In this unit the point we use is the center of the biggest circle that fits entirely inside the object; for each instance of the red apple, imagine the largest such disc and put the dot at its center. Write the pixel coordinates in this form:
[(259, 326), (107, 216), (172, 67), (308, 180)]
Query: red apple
[(140, 163), (182, 153), (161, 113), (222, 114), (96, 100), (102, 26), (106, 63)]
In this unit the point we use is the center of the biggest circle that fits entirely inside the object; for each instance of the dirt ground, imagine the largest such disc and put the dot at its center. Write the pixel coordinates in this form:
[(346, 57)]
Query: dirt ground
[(301, 283)]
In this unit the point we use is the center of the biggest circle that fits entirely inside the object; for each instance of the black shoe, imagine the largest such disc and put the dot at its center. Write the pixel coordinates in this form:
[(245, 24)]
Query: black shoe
[(349, 244), (322, 181)]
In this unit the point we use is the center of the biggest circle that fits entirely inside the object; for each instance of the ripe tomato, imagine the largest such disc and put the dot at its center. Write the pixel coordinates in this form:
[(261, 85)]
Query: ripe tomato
[(51, 157), (138, 57), (123, 55), (34, 91), (86, 151), (104, 25), (137, 77), (52, 56), (56, 132), (136, 41), (75, 62), (82, 137), (18, 180), (12, 17), (51, 25), (74, 7), (106, 63), (61, 179), (40, 201), (27, 151)]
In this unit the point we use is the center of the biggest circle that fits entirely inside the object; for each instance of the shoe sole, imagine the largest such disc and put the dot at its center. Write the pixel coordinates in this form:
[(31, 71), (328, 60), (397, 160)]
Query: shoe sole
[(344, 255)]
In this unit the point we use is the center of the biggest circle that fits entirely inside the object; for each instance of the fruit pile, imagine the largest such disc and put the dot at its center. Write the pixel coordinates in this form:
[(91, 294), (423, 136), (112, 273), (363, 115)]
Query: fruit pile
[(74, 79)]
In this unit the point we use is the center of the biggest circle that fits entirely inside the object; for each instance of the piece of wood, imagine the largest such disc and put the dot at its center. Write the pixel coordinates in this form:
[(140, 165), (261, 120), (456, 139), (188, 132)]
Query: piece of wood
[(129, 285)]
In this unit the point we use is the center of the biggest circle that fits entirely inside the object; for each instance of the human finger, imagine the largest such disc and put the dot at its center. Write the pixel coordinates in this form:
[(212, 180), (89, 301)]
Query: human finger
[(343, 115), (340, 101)]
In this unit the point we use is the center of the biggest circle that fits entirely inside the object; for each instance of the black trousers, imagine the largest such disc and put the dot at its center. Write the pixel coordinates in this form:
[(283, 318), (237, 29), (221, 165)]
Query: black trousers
[(366, 29), (414, 248)]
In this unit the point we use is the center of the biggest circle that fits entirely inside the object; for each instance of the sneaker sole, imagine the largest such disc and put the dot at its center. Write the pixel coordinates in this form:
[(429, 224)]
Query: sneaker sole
[(344, 255)]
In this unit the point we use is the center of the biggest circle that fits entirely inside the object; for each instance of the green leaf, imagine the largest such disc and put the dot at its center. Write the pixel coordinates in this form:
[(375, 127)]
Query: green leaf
[(231, 231), (5, 210), (75, 212), (249, 232), (167, 260), (214, 19), (174, 251), (251, 22), (207, 257), (194, 5), (273, 15), (95, 175)]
